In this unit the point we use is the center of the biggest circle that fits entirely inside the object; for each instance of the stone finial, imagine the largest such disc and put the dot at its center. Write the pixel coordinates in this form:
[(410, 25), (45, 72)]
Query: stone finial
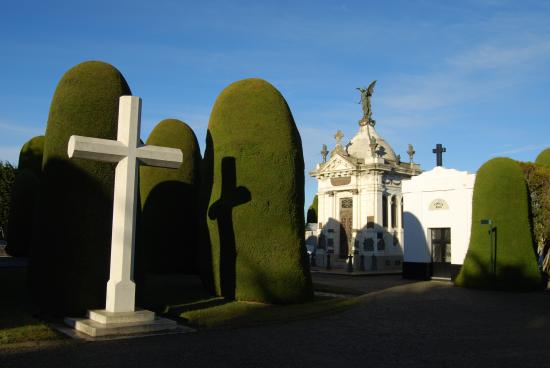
[(324, 153), (338, 136), (373, 144), (338, 148), (411, 152)]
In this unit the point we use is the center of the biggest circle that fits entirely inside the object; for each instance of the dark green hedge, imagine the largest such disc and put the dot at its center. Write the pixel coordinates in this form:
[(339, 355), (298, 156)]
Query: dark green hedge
[(71, 251), (24, 198), (254, 166), (312, 212), (500, 194), (30, 157), (543, 158), (538, 184), (7, 178), (169, 202)]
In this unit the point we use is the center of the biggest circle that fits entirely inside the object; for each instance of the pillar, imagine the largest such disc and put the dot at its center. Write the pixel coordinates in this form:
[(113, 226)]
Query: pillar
[(389, 210)]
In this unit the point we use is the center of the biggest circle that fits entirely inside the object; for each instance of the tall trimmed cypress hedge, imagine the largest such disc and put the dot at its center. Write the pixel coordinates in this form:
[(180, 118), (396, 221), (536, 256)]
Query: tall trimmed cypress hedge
[(70, 263), (31, 155), (24, 198), (169, 202), (500, 194), (7, 178), (543, 158), (254, 174), (312, 211)]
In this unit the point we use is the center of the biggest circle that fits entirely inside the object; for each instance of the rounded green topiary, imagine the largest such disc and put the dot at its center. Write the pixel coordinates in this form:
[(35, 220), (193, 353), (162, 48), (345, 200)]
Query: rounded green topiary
[(30, 157), (169, 202), (500, 195), (254, 166), (312, 212), (543, 158), (24, 198), (70, 255)]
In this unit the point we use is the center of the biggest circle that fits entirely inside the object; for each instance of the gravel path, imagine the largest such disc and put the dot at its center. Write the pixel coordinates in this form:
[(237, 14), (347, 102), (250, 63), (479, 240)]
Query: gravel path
[(420, 324)]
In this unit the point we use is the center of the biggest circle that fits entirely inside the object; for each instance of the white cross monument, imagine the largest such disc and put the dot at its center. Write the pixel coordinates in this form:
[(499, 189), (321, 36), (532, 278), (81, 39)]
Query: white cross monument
[(120, 315)]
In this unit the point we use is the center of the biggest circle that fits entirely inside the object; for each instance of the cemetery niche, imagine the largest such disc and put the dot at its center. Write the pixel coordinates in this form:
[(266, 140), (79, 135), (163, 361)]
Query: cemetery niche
[(253, 185)]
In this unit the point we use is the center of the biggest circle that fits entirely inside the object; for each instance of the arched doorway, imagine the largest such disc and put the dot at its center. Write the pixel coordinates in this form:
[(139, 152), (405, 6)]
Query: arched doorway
[(346, 223)]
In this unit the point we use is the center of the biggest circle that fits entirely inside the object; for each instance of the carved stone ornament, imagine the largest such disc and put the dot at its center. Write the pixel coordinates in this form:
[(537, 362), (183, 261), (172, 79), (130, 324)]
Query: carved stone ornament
[(340, 181), (438, 204)]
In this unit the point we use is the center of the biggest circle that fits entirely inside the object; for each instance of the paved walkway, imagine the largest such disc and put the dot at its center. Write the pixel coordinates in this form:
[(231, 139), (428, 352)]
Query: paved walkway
[(362, 283), (7, 261), (398, 324)]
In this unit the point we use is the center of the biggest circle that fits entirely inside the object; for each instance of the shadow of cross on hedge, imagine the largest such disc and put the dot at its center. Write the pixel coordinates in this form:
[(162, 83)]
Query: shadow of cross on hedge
[(222, 211)]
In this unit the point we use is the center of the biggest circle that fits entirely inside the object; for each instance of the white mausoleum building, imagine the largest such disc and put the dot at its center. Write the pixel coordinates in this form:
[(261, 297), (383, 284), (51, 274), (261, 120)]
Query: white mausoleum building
[(360, 202), (437, 220)]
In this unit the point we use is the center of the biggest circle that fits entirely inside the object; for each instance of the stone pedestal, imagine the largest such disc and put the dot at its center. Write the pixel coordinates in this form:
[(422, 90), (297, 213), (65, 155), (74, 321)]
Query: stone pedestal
[(103, 323)]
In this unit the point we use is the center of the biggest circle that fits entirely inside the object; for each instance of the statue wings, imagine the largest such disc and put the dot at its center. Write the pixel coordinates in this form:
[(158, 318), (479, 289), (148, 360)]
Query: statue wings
[(370, 89)]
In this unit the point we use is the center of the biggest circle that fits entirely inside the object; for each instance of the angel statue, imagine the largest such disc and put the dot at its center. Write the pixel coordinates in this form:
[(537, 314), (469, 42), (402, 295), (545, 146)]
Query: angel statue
[(366, 94)]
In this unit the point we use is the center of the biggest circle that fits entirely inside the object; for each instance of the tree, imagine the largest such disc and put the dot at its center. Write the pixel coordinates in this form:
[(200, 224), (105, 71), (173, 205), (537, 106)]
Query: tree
[(24, 199), (7, 177), (500, 256), (312, 211), (169, 202), (253, 179), (71, 253)]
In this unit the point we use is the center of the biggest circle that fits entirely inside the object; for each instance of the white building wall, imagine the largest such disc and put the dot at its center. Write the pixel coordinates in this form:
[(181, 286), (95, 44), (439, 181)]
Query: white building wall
[(415, 243), (456, 189)]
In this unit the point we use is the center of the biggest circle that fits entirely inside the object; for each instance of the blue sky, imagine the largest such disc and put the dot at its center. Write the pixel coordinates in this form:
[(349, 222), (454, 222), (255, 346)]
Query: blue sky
[(473, 75)]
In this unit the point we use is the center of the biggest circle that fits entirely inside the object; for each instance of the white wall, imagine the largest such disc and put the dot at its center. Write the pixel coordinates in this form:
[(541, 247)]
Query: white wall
[(456, 189)]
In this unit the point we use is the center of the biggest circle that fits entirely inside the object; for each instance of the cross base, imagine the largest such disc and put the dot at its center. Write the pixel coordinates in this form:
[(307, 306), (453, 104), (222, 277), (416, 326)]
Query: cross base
[(103, 323)]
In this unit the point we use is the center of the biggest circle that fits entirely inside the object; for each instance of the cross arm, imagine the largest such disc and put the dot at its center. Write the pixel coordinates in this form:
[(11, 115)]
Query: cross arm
[(96, 149), (160, 156)]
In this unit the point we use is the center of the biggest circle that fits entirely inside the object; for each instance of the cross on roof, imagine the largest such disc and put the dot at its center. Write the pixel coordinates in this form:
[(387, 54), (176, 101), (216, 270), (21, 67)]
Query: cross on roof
[(128, 153), (339, 135), (438, 150), (324, 152)]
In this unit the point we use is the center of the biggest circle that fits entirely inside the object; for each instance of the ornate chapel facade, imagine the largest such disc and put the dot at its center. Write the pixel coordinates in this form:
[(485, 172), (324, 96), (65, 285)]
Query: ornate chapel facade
[(360, 206)]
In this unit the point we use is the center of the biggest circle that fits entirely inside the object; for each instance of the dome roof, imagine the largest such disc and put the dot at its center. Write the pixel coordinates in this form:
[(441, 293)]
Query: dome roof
[(360, 145)]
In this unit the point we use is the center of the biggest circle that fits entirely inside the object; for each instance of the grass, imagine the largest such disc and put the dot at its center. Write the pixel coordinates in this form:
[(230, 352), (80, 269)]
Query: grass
[(198, 309), (26, 329), (16, 321), (192, 306), (220, 313)]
